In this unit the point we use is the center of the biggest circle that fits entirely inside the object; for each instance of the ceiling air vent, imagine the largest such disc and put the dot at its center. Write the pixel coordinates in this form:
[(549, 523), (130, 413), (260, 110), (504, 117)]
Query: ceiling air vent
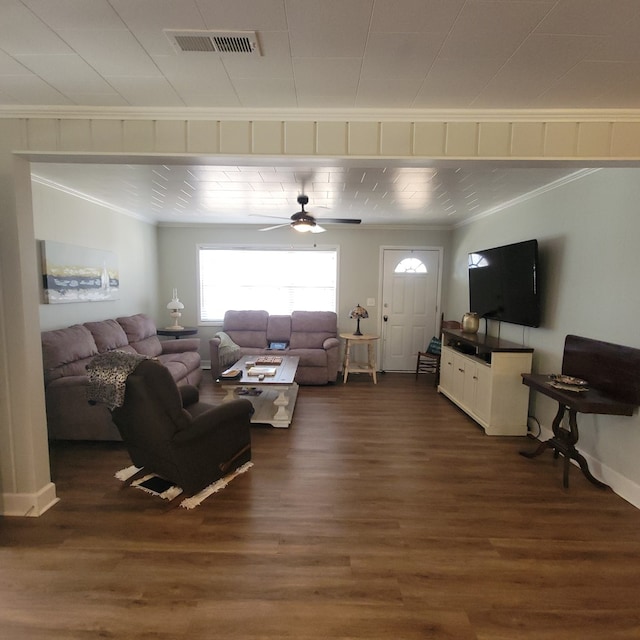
[(245, 42)]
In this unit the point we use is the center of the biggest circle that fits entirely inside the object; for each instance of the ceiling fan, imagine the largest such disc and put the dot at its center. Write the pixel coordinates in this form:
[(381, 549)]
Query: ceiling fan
[(303, 221)]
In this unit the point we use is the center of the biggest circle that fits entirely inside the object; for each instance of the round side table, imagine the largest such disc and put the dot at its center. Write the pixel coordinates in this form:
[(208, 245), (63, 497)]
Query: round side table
[(349, 366)]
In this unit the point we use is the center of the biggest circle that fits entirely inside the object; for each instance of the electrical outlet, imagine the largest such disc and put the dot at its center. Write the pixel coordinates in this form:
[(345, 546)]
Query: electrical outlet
[(371, 302)]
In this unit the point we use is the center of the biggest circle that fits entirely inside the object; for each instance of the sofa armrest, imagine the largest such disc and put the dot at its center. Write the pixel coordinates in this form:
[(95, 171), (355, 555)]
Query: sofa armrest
[(330, 343), (214, 354), (180, 346)]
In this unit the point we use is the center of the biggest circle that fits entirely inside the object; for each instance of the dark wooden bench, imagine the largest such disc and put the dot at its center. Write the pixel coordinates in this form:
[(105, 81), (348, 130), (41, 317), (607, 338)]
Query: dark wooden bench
[(613, 374)]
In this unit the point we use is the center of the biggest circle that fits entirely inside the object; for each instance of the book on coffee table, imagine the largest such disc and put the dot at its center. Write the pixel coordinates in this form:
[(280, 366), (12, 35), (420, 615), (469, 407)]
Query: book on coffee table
[(262, 371), (270, 360)]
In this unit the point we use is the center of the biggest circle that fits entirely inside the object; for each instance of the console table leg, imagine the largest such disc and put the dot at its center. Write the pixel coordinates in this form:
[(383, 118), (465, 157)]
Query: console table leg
[(548, 444), (579, 458), (563, 442)]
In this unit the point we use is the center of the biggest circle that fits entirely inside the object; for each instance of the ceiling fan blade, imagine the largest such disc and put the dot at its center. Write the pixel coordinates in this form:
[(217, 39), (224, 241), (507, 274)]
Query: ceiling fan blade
[(317, 229), (277, 226), (261, 215), (342, 220)]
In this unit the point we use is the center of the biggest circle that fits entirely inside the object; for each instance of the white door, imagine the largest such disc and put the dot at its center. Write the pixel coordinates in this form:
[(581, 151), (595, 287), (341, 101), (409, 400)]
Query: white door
[(409, 305)]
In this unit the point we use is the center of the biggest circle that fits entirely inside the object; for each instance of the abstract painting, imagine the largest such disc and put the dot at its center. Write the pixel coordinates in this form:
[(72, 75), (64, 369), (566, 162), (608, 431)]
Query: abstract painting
[(78, 274)]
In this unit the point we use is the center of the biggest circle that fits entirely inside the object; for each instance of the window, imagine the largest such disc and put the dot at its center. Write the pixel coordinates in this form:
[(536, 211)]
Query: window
[(410, 265), (277, 280), (477, 260)]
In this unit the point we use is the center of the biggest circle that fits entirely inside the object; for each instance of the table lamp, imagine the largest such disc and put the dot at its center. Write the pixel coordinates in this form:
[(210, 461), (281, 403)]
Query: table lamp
[(358, 312), (175, 307)]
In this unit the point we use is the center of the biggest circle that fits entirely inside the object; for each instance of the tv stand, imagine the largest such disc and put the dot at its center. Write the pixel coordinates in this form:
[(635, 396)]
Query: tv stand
[(482, 375)]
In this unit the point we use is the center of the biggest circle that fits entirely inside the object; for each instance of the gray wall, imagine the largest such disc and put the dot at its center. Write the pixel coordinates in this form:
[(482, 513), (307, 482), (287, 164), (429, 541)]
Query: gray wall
[(62, 217), (359, 262), (588, 232)]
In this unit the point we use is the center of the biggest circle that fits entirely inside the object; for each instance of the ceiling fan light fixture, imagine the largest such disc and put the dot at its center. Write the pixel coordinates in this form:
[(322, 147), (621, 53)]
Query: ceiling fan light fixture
[(303, 225)]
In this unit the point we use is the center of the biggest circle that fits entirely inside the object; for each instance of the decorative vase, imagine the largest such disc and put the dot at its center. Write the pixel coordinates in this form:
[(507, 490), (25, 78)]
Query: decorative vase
[(470, 322)]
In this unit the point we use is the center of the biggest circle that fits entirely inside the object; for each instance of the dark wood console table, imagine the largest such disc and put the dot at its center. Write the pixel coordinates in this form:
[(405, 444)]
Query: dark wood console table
[(613, 374)]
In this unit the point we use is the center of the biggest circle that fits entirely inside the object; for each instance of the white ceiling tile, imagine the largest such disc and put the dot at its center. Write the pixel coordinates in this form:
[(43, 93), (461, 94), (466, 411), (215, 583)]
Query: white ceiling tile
[(590, 17), (31, 90), (390, 93), (492, 29), (326, 76), (22, 32), (591, 82), (415, 16), (144, 91), (271, 92), (456, 81), (331, 28), (535, 67), (75, 14), (192, 70), (11, 67), (112, 52), (400, 55), (68, 72), (265, 15)]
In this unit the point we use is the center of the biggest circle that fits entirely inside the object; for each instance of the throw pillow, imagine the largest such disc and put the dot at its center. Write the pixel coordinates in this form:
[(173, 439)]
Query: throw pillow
[(435, 346)]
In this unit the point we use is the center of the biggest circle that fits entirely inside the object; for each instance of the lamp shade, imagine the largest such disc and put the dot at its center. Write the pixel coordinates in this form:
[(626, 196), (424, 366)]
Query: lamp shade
[(175, 304), (359, 312)]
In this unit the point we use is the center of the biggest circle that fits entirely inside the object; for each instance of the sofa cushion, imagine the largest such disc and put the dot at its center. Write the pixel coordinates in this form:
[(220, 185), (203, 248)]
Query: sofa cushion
[(108, 335), (310, 357), (279, 329), (247, 328), (309, 329), (141, 333), (70, 347)]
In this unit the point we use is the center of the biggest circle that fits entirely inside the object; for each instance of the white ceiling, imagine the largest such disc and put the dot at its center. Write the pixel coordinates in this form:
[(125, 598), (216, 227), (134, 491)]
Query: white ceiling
[(319, 54), (379, 195)]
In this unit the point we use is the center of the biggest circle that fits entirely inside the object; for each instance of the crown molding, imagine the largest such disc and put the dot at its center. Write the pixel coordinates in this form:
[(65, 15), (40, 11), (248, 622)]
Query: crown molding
[(323, 115), (88, 198)]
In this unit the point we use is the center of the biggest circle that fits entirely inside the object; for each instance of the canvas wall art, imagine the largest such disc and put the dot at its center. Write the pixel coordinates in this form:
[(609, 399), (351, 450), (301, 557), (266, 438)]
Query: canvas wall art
[(78, 274)]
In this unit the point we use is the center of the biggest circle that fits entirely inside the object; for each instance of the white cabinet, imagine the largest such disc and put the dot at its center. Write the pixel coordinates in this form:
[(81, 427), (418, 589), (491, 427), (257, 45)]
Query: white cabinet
[(492, 392)]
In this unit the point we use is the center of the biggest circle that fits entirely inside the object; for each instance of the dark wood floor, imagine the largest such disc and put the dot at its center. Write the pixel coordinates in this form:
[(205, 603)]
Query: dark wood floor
[(383, 512)]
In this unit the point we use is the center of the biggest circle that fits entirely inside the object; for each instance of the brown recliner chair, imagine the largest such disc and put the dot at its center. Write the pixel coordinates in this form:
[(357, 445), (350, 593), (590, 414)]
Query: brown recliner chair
[(168, 431)]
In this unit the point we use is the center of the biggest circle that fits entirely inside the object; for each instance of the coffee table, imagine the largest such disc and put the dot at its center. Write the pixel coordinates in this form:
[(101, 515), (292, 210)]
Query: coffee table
[(273, 397)]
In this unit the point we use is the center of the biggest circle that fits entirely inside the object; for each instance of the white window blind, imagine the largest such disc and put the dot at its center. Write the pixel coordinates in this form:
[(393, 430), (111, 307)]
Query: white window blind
[(277, 280)]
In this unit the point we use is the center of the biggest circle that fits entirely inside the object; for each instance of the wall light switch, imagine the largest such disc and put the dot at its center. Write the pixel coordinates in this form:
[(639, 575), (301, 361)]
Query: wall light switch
[(371, 302)]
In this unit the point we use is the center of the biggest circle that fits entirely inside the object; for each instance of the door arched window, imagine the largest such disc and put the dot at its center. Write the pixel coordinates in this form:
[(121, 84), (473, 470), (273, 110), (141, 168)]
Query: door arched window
[(410, 265)]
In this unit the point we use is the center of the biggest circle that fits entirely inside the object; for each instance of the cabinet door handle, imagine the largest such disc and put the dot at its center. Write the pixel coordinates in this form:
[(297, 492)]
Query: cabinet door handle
[(460, 370), (475, 377)]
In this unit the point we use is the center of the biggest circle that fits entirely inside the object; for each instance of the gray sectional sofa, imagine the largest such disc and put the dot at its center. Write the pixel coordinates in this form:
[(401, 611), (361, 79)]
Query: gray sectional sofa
[(311, 335), (66, 353)]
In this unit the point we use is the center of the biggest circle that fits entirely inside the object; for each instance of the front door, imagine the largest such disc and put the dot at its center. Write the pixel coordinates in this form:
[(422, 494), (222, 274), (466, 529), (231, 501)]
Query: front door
[(409, 305)]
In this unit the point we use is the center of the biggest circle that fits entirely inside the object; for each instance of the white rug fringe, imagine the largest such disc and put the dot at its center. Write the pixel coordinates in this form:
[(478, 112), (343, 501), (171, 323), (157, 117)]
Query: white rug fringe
[(173, 492), (125, 474), (194, 501)]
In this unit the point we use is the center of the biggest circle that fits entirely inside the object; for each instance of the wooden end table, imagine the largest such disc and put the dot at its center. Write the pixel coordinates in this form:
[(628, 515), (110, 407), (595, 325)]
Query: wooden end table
[(349, 366), (177, 333)]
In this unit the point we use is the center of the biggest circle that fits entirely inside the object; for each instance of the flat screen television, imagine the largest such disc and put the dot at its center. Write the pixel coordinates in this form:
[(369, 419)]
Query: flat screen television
[(503, 283)]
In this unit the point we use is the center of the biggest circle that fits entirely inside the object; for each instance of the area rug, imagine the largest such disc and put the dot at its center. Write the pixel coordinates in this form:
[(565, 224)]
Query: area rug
[(166, 490)]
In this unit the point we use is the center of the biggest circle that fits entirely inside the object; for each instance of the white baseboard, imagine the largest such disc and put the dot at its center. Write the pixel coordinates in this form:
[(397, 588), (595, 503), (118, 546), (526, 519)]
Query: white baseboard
[(29, 504), (621, 485)]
